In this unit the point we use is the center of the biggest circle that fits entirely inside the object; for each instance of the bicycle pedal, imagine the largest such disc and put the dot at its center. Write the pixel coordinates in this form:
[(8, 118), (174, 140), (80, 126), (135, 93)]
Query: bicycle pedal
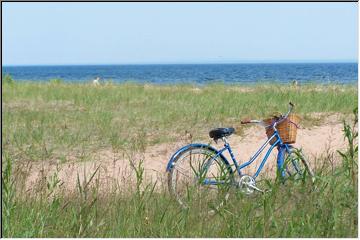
[(255, 188)]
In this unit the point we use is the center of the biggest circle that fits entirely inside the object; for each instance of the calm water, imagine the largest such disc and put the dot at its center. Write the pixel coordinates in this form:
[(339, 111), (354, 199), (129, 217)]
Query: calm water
[(194, 73)]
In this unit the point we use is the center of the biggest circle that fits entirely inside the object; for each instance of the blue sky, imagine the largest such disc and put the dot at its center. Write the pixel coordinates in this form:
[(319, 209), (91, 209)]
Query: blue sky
[(131, 33)]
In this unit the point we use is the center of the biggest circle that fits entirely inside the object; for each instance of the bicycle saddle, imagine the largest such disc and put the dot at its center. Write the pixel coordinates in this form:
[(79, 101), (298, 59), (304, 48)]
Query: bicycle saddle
[(218, 133)]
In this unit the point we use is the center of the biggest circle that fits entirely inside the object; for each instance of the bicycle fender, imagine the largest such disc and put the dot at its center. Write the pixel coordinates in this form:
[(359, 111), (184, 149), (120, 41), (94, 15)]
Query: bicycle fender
[(173, 157), (281, 156), (280, 160)]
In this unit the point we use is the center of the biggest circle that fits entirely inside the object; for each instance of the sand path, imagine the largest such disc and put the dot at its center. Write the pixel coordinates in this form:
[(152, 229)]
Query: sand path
[(114, 170)]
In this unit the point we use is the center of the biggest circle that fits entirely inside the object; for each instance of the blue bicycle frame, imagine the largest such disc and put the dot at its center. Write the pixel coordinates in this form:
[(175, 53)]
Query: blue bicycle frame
[(219, 153), (282, 148), (280, 159)]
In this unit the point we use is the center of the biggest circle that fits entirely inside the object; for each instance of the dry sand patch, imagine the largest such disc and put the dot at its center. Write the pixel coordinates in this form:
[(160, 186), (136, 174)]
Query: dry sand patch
[(114, 171)]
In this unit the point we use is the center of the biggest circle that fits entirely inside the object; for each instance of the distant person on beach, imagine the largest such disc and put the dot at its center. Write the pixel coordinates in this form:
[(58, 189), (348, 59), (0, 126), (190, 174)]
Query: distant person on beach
[(96, 81)]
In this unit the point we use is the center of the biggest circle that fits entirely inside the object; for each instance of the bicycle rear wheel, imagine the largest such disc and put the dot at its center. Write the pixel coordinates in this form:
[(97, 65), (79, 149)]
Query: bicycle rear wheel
[(200, 177)]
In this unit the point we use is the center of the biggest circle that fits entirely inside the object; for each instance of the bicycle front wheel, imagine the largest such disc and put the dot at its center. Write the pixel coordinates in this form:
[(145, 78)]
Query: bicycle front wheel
[(297, 165), (200, 176)]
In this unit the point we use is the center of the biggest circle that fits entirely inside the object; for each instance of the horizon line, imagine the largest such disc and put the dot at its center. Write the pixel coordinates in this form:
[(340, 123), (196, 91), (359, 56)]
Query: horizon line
[(184, 63)]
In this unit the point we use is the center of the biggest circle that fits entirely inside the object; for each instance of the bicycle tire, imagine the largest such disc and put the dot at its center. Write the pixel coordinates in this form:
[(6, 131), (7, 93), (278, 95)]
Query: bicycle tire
[(297, 165), (208, 196)]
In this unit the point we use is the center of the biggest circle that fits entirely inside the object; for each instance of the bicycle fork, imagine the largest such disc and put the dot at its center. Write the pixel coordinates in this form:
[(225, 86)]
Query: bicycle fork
[(281, 160)]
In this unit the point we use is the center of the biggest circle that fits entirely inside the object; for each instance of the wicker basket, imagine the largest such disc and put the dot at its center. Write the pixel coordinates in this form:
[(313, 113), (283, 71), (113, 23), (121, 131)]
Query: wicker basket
[(286, 129)]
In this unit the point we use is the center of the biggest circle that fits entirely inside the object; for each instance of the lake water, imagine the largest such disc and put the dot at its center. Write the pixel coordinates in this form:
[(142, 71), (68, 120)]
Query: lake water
[(323, 73)]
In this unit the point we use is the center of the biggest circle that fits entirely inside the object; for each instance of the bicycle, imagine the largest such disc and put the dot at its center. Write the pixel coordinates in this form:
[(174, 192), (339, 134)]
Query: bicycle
[(202, 169)]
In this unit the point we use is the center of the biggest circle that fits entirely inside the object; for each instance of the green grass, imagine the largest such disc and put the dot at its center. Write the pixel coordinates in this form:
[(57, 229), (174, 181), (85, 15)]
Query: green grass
[(295, 211), (49, 121), (44, 121), (326, 208)]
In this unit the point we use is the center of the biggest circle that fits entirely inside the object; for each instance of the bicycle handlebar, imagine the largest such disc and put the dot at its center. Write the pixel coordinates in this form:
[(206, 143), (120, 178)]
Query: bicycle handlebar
[(245, 121), (282, 118), (291, 106)]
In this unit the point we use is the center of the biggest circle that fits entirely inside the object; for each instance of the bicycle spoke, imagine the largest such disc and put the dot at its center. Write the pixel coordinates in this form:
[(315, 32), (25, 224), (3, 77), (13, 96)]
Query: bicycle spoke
[(181, 170), (297, 167), (199, 174)]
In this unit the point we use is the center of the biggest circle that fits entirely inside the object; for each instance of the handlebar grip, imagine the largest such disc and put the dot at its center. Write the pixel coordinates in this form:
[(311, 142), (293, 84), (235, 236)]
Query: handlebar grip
[(245, 121)]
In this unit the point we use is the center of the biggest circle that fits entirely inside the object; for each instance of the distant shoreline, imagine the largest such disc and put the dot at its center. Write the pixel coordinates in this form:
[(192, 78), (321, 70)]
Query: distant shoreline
[(185, 84), (180, 63), (323, 73)]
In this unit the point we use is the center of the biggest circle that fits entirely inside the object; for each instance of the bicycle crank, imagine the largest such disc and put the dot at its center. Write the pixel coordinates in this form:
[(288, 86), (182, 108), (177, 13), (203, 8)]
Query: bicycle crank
[(247, 185)]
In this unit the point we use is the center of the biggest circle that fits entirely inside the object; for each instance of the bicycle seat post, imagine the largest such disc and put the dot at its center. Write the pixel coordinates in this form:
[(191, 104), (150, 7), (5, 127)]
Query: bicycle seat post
[(225, 141)]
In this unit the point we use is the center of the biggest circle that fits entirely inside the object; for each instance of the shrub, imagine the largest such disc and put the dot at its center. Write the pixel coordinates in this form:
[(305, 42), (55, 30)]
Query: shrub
[(7, 79), (56, 81)]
